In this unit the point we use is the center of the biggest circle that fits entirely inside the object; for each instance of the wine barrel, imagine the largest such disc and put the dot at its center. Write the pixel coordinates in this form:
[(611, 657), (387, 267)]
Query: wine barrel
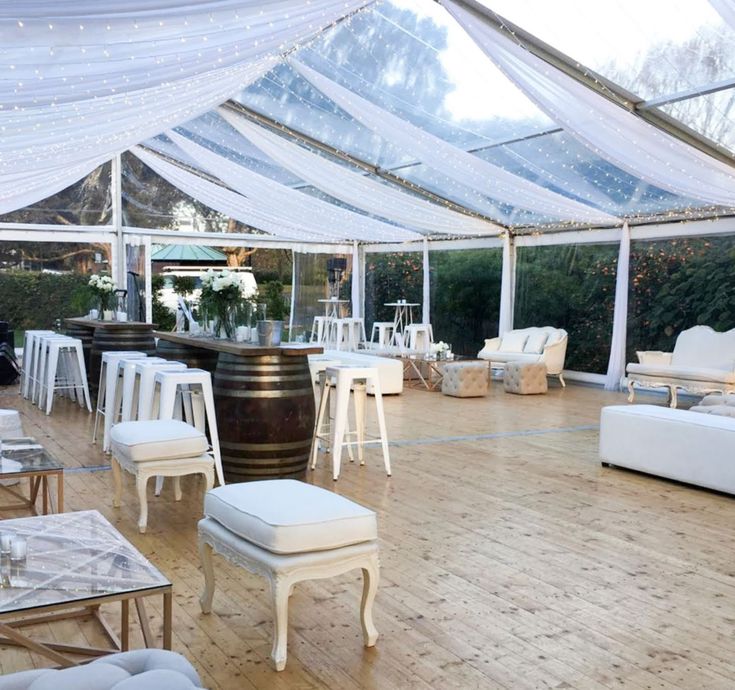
[(86, 335), (117, 336), (265, 415), (193, 357)]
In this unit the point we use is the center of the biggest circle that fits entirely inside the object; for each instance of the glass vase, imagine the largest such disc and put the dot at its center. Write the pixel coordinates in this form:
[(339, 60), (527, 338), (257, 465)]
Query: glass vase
[(225, 321)]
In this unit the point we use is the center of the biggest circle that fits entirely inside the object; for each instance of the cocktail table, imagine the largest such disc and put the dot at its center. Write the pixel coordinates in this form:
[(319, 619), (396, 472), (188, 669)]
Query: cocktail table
[(23, 457), (76, 562)]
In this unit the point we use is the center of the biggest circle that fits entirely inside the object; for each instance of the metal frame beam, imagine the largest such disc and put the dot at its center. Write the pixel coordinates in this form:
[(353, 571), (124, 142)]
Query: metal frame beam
[(597, 83)]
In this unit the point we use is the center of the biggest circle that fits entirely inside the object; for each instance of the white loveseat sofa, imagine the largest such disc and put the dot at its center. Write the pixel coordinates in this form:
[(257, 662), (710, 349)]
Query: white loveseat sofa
[(537, 344), (703, 361), (390, 370), (676, 444)]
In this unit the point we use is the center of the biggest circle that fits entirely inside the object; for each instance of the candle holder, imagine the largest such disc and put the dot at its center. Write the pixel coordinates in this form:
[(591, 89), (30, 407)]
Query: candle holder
[(6, 541), (18, 549)]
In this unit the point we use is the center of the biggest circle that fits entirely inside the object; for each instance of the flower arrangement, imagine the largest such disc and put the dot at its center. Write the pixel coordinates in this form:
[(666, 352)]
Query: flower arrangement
[(102, 288), (439, 348), (221, 294)]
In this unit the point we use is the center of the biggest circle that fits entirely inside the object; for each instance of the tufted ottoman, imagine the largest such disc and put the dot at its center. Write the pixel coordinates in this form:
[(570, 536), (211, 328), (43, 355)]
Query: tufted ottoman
[(144, 669), (289, 531), (465, 379), (10, 426), (525, 378)]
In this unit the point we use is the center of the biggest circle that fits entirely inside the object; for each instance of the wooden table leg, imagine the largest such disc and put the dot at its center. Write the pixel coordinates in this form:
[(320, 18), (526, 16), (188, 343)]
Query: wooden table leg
[(35, 484), (167, 616), (144, 623), (125, 625), (44, 491), (60, 491), (33, 646)]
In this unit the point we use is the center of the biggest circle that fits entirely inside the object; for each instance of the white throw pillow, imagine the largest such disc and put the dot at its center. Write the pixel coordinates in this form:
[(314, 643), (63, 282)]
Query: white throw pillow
[(513, 342), (535, 343)]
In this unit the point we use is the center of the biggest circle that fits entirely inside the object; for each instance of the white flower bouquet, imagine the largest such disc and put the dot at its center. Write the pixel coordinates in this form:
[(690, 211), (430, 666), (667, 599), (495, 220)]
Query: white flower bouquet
[(102, 288), (221, 295), (439, 348)]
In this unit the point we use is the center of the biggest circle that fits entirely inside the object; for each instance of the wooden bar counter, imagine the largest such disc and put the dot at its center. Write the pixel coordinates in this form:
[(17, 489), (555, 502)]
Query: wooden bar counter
[(101, 336), (264, 401)]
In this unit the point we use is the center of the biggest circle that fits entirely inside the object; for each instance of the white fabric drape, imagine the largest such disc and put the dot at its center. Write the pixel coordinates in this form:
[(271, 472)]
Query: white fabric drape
[(616, 363), (356, 282), (451, 161), (355, 188), (339, 223), (232, 204), (607, 129), (86, 80), (507, 286), (726, 8), (426, 297)]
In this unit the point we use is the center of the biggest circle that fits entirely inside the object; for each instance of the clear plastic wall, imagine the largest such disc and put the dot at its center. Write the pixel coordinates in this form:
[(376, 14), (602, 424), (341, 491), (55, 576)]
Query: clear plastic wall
[(465, 297), (570, 287)]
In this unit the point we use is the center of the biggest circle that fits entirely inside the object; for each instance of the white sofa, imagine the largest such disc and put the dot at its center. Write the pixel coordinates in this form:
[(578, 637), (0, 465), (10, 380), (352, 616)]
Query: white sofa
[(390, 370), (676, 444), (703, 361), (537, 344)]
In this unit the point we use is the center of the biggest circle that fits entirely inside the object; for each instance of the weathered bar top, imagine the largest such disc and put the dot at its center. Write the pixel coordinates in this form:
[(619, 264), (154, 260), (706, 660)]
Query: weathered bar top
[(240, 349), (264, 400)]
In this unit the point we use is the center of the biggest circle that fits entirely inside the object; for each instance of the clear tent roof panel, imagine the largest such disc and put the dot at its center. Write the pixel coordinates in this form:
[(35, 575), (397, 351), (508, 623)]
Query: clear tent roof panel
[(651, 48)]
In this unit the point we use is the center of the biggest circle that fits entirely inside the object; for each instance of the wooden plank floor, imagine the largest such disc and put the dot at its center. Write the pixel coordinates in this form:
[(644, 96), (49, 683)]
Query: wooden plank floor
[(510, 559)]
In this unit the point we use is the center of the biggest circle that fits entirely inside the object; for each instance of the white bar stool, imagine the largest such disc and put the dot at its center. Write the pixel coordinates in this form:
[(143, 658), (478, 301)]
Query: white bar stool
[(169, 383), (384, 331), (146, 376), (318, 328), (29, 344), (38, 363), (126, 369), (419, 336), (344, 379), (65, 371), (108, 394)]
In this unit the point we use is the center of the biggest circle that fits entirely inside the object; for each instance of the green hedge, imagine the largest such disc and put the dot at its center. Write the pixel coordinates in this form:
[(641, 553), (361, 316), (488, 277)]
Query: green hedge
[(32, 299)]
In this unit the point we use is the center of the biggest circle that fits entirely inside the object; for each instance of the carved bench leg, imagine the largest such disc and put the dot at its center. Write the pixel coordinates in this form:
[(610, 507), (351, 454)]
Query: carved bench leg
[(205, 554), (279, 592), (631, 391), (370, 576)]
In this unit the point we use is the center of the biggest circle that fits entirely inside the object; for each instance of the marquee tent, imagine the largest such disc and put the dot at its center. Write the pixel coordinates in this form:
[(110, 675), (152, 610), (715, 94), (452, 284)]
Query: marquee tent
[(348, 126)]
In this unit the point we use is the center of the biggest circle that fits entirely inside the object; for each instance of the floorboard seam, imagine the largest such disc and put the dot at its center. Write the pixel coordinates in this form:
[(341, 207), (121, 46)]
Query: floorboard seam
[(497, 434)]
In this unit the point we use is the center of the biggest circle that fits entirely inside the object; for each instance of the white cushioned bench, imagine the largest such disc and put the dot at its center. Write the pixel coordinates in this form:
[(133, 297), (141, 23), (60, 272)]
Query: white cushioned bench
[(676, 444), (289, 531)]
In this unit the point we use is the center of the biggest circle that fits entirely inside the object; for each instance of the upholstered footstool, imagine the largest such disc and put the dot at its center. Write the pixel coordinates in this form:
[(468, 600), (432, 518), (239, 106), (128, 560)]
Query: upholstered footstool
[(288, 531), (465, 379), (525, 378), (143, 669), (10, 426), (158, 448)]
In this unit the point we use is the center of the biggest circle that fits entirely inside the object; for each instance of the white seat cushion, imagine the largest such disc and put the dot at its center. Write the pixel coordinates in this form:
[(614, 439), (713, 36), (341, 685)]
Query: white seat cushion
[(289, 516), (511, 357), (684, 373), (157, 440)]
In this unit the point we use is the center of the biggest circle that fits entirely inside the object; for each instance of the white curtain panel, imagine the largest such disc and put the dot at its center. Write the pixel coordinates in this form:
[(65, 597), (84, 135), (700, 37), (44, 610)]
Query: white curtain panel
[(507, 286), (616, 363), (355, 188), (296, 206), (452, 161), (231, 203), (726, 8), (356, 282), (84, 81), (607, 129)]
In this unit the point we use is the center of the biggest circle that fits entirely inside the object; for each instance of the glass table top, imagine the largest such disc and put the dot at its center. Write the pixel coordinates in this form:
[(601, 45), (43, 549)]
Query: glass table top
[(26, 455), (71, 557)]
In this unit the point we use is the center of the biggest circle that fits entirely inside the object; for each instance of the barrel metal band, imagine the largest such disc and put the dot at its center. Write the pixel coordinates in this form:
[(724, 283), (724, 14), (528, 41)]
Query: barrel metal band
[(288, 393)]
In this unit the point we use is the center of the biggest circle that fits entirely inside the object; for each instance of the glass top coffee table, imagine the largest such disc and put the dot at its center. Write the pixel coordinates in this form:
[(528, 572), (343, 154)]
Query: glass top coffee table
[(75, 563), (425, 369), (24, 457)]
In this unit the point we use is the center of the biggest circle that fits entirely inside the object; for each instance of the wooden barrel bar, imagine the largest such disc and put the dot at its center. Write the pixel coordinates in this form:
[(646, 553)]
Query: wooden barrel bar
[(194, 357), (265, 413), (112, 335), (264, 401)]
